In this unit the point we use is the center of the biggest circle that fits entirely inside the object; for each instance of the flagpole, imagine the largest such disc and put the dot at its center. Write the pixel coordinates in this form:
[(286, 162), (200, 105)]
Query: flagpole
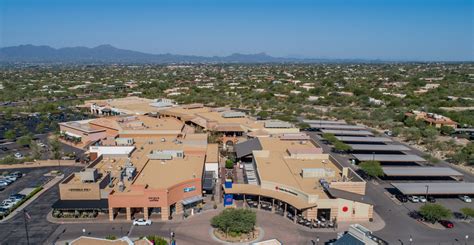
[(26, 227)]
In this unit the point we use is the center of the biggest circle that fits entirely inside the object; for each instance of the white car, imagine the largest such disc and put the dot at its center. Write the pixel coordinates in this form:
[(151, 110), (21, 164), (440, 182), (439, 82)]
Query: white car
[(141, 222), (42, 145), (422, 199), (465, 199), (18, 155), (414, 199)]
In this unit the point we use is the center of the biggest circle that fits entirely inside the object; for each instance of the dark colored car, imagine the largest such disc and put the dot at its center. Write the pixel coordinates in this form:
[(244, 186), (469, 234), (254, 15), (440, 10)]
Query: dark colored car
[(17, 174), (431, 199), (446, 223), (402, 198), (458, 215)]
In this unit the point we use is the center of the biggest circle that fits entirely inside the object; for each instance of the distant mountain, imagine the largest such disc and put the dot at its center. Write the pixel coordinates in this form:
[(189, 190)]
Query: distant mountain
[(109, 54)]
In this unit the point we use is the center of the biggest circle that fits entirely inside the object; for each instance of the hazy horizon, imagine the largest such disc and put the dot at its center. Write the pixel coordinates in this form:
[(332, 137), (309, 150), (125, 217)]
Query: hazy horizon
[(417, 30)]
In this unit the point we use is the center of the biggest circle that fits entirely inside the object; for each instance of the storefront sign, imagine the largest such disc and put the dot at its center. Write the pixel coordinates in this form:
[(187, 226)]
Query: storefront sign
[(285, 190), (80, 189), (154, 199), (189, 189)]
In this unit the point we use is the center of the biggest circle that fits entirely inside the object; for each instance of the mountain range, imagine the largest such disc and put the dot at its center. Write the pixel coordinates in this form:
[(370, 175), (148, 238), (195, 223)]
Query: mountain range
[(109, 54)]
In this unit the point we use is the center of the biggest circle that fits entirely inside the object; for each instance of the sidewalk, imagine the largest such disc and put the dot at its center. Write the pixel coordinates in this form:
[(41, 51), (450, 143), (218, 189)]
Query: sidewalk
[(46, 187)]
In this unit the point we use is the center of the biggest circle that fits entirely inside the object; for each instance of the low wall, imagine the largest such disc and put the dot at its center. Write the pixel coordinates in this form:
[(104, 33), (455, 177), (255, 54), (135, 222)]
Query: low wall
[(40, 163)]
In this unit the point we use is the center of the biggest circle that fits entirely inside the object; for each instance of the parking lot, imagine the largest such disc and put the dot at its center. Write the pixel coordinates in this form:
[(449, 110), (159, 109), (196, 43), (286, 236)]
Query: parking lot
[(32, 177), (13, 230), (10, 148)]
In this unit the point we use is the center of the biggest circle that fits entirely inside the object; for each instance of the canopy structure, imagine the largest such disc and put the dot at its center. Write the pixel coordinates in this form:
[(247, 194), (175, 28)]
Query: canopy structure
[(359, 147), (363, 139), (81, 204), (191, 200), (347, 132), (388, 158), (341, 122), (420, 171), (336, 126), (430, 188)]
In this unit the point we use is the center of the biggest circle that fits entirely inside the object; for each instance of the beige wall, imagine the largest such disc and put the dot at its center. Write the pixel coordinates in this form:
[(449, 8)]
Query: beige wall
[(78, 191), (354, 187)]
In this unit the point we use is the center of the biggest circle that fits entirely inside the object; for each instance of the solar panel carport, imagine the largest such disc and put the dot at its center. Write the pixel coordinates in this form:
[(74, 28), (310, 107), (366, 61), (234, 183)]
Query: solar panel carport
[(336, 126), (358, 147), (363, 139), (420, 171), (388, 158), (325, 122), (347, 132), (422, 188)]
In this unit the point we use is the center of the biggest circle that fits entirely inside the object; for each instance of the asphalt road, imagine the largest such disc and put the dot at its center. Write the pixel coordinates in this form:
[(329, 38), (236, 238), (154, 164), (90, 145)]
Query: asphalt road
[(399, 226), (39, 229)]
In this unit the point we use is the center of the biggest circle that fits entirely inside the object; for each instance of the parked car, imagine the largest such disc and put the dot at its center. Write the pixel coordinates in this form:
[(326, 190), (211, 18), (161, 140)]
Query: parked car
[(431, 199), (414, 199), (17, 174), (141, 222), (41, 144), (10, 177), (458, 215), (9, 181), (4, 183), (2, 188), (422, 199), (465, 198), (402, 198), (18, 155), (446, 223)]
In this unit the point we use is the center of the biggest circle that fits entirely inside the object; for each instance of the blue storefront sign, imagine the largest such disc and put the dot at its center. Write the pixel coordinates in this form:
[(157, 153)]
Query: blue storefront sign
[(228, 199), (228, 184)]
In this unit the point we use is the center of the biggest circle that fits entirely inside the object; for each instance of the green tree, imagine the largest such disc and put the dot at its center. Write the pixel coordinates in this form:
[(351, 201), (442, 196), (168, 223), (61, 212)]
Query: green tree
[(429, 134), (236, 221), (468, 212), (434, 212), (340, 146), (10, 134), (330, 138), (25, 140), (371, 168), (229, 164), (55, 148), (447, 130)]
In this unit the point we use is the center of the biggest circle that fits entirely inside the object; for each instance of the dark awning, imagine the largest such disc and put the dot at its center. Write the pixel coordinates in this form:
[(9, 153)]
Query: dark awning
[(349, 196), (81, 204), (245, 148)]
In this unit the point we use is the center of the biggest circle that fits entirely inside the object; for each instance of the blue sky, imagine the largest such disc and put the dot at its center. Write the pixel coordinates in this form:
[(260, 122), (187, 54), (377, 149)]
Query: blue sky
[(385, 29)]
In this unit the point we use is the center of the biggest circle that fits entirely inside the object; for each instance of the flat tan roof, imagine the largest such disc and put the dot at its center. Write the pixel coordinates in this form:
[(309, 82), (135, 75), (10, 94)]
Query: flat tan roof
[(130, 105), (212, 153), (159, 174), (139, 122), (278, 167)]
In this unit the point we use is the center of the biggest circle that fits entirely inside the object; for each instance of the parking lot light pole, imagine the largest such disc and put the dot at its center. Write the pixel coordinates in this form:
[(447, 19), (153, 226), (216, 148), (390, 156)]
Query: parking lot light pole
[(467, 238), (427, 188), (317, 240), (411, 239)]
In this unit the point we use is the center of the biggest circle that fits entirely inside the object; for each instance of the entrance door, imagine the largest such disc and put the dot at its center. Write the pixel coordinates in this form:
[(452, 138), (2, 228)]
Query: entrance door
[(324, 214)]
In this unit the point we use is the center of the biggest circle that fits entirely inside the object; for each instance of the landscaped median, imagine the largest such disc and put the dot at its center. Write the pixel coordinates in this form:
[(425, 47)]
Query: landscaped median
[(30, 197), (14, 207)]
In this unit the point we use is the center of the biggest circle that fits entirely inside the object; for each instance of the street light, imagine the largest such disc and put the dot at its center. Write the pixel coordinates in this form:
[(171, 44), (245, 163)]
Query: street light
[(467, 238), (427, 188), (411, 239), (317, 240)]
